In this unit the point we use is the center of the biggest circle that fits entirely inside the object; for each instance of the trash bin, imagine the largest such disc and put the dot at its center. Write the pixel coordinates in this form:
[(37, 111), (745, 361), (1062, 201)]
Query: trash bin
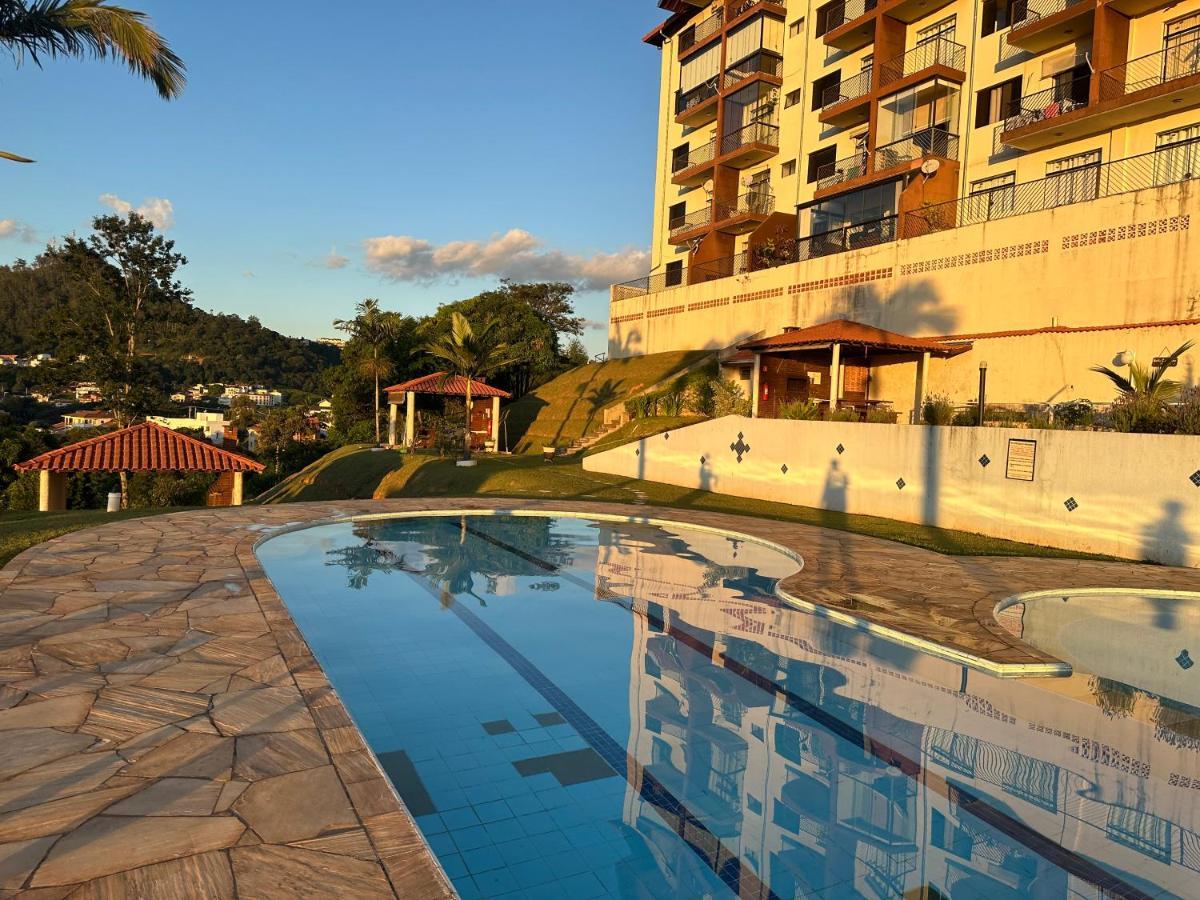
[(114, 501)]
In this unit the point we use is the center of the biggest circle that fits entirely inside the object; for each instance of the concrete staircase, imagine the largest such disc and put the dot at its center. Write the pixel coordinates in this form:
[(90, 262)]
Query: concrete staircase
[(583, 443)]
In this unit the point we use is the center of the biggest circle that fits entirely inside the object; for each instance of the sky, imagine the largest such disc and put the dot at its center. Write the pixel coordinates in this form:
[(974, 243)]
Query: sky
[(413, 151)]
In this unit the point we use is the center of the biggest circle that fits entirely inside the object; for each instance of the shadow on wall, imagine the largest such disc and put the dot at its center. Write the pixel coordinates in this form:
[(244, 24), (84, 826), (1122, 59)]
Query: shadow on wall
[(1166, 540), (837, 482), (915, 309)]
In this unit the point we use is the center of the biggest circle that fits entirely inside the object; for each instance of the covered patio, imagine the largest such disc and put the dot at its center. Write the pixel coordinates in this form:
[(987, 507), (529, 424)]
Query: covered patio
[(146, 447), (485, 408), (833, 364)]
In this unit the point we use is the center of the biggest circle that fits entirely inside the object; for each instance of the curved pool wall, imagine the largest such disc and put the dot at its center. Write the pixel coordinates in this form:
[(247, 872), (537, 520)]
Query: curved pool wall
[(630, 713)]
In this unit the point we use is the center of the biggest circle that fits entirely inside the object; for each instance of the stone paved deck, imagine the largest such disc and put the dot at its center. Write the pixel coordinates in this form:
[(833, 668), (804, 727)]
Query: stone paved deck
[(166, 732)]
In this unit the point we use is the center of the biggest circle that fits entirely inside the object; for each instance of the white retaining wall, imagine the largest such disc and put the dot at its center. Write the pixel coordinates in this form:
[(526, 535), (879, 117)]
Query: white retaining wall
[(1127, 495)]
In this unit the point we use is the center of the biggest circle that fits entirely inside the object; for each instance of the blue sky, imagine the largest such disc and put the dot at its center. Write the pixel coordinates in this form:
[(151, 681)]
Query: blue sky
[(412, 152)]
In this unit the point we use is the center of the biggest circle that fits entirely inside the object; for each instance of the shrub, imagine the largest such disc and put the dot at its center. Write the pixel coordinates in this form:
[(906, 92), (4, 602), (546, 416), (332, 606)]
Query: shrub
[(1187, 411), (937, 410), (800, 409), (670, 403), (640, 407), (1141, 414), (881, 415), (728, 399), (841, 415), (1042, 419), (698, 397), (22, 494), (1074, 413), (966, 417), (1004, 416)]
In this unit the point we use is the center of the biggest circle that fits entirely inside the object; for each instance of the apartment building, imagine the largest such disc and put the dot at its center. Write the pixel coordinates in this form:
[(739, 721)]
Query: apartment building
[(933, 168)]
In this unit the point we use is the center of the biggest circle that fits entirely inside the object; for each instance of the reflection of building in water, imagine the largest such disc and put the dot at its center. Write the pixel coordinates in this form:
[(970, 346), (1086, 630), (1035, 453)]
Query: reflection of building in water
[(862, 764)]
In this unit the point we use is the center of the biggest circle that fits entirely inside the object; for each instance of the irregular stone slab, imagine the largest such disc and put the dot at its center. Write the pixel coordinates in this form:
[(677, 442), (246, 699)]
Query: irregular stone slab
[(191, 755), (61, 712), (58, 816), (89, 653), (187, 675), (61, 778), (107, 845), (172, 797), (288, 872), (265, 755), (296, 806), (18, 859), (353, 842), (120, 713), (206, 875), (62, 684), (255, 712), (29, 748)]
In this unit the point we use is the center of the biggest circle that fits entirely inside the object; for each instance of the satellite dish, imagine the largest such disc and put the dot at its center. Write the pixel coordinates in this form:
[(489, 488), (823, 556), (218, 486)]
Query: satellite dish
[(747, 180), (708, 186), (930, 167)]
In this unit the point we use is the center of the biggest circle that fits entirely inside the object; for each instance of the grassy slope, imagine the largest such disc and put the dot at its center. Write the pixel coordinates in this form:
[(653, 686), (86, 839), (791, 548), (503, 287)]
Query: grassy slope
[(531, 477), (348, 473), (638, 429), (570, 406), (21, 530)]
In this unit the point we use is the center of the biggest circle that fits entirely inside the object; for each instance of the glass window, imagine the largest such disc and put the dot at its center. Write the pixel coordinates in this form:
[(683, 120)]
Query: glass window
[(867, 205), (932, 104), (991, 198), (1177, 155), (1181, 40), (938, 30), (1073, 178)]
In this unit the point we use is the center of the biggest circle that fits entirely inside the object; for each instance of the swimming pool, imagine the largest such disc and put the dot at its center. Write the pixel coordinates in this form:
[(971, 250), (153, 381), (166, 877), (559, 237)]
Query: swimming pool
[(582, 708)]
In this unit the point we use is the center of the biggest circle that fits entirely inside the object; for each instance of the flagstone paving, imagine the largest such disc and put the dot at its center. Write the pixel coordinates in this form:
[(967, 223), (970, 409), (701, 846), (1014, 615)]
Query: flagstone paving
[(165, 730)]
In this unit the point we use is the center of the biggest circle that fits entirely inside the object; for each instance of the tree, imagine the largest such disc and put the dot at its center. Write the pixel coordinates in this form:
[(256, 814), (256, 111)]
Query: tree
[(77, 28), (243, 412), (280, 429), (375, 330), (472, 354), (1148, 384)]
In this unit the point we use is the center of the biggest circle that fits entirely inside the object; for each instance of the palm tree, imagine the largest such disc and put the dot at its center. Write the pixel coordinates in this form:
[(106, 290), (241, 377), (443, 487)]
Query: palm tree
[(53, 28), (471, 353), (1144, 384), (375, 329)]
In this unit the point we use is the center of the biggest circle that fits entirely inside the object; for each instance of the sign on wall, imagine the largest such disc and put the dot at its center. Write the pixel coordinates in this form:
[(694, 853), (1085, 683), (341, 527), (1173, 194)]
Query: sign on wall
[(1022, 459)]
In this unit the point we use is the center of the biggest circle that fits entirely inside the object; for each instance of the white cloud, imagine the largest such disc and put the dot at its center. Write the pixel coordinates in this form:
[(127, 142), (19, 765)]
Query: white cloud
[(596, 324), (158, 211), (249, 274), (16, 230), (334, 260), (515, 254)]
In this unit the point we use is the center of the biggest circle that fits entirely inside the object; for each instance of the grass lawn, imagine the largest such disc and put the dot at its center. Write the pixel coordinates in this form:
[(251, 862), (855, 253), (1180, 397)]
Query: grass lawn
[(20, 530), (348, 473), (531, 477), (637, 429)]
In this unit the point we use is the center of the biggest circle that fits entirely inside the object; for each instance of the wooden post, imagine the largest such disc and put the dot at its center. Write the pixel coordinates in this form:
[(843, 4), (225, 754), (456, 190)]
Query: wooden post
[(410, 420), (235, 497)]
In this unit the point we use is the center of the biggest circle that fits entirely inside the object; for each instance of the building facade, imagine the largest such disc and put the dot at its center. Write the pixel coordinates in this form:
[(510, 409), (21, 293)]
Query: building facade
[(1014, 174)]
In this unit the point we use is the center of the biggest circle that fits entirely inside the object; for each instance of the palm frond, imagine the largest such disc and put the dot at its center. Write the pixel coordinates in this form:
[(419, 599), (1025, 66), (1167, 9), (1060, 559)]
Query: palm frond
[(4, 154), (1123, 384)]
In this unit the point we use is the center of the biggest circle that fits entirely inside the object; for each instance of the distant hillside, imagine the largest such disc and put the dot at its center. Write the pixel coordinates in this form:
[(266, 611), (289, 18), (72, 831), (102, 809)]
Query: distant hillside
[(572, 405)]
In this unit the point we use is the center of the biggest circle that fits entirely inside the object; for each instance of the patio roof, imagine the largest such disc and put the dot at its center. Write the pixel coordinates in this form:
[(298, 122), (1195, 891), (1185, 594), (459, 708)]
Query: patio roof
[(853, 334), (450, 385), (140, 448)]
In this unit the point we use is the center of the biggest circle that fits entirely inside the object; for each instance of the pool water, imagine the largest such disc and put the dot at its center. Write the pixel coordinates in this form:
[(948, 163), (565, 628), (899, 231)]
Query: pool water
[(577, 708)]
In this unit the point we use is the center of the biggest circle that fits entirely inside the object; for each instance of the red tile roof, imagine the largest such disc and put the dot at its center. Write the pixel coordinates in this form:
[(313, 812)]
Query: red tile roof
[(141, 448), (452, 385), (843, 331)]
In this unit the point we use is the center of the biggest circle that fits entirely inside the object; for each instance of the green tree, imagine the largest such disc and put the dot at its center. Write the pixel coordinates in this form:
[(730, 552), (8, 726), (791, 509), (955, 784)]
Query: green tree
[(243, 412), (374, 329), (472, 353), (1145, 382), (40, 29), (280, 430)]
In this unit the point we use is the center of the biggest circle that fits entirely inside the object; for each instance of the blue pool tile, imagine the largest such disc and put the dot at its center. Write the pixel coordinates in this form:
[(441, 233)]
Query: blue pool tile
[(504, 830), (460, 818), (483, 859), (471, 837), (453, 864), (484, 793), (518, 851), (514, 788), (538, 823), (441, 843), (495, 883), (431, 824), (524, 804), (550, 842), (493, 812), (532, 874), (582, 887), (566, 863), (584, 835)]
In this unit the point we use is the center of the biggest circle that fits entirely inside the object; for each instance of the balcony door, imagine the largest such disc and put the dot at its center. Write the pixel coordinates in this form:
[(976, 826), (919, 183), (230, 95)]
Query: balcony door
[(1177, 155), (1073, 179), (1181, 43)]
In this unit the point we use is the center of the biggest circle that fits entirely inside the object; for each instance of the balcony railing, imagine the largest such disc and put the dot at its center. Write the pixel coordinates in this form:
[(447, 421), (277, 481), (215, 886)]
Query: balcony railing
[(754, 133), (763, 62), (691, 221), (754, 203), (845, 11), (936, 52), (693, 35), (1168, 64), (847, 89), (841, 170), (744, 6), (685, 100), (681, 161), (927, 142), (1026, 12), (1050, 103)]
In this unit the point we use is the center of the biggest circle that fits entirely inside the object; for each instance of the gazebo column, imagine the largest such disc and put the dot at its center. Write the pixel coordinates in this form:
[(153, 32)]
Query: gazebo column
[(755, 385), (52, 491), (236, 495), (835, 375), (410, 419), (496, 423), (391, 421), (922, 386)]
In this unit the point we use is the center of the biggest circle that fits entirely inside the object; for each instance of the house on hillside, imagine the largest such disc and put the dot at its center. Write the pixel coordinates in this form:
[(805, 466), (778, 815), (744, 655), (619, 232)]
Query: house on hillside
[(212, 424)]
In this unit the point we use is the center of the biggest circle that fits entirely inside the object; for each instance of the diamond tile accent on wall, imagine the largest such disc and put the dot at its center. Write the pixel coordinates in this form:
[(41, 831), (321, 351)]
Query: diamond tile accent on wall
[(703, 460), (784, 469), (840, 449), (1185, 660), (637, 452), (900, 483), (985, 460), (1071, 504), (667, 436), (740, 447), (1195, 478)]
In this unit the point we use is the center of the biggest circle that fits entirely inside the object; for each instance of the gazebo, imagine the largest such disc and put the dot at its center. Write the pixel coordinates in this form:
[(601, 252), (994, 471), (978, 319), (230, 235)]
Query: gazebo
[(146, 447), (485, 405)]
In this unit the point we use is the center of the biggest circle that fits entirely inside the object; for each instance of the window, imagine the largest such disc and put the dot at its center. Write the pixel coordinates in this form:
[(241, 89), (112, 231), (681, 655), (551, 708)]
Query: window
[(788, 169), (796, 28), (793, 97), (997, 15), (830, 16), (991, 198), (675, 213), (1177, 155), (822, 84), (675, 273), (1072, 86), (1073, 178), (1181, 40), (867, 62), (819, 160), (679, 157), (943, 30), (998, 102)]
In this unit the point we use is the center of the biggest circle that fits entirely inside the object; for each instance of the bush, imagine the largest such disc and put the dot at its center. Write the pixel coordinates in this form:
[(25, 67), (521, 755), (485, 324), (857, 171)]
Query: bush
[(670, 403), (841, 415), (937, 410), (728, 399), (966, 417), (640, 407), (1137, 413), (698, 397), (1042, 420), (1187, 411), (1074, 413), (881, 415), (1005, 416), (807, 410), (22, 494), (148, 490)]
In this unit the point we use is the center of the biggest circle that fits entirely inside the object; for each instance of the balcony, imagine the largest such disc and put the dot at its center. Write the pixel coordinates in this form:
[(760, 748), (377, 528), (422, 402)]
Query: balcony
[(832, 174), (1041, 25), (743, 9), (888, 162), (847, 103), (691, 167), (908, 11), (750, 144), (938, 57), (745, 213), (1148, 87), (763, 62), (698, 106), (698, 35), (691, 226), (1135, 8), (925, 144), (849, 25)]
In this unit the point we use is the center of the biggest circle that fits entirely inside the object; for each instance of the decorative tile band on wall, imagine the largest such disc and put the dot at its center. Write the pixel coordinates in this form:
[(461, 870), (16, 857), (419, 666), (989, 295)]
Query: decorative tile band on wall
[(958, 261), (1126, 232), (629, 317), (822, 284), (756, 295), (666, 311), (708, 304)]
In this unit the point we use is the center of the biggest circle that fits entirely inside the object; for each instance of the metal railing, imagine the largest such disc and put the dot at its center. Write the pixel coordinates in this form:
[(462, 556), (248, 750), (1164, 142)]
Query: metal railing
[(1026, 12), (1051, 103), (845, 11), (754, 133), (681, 160), (841, 170), (1167, 165), (1152, 70), (936, 52), (693, 35), (754, 203), (762, 61), (919, 144), (685, 100), (690, 221), (848, 89), (744, 6)]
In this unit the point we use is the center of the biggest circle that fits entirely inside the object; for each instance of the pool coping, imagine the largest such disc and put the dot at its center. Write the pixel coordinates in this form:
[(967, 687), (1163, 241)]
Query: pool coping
[(174, 584)]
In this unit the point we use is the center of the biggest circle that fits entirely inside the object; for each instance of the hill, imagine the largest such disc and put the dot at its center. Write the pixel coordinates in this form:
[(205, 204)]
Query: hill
[(352, 472), (571, 405)]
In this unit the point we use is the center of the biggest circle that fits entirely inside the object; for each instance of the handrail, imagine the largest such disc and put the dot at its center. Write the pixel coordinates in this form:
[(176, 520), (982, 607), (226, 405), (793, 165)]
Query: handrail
[(1026, 12), (848, 89), (1050, 103), (846, 11), (694, 157), (690, 221), (935, 52), (693, 35), (841, 170), (744, 6), (765, 62), (1151, 70), (753, 133), (919, 144), (685, 100), (756, 203)]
